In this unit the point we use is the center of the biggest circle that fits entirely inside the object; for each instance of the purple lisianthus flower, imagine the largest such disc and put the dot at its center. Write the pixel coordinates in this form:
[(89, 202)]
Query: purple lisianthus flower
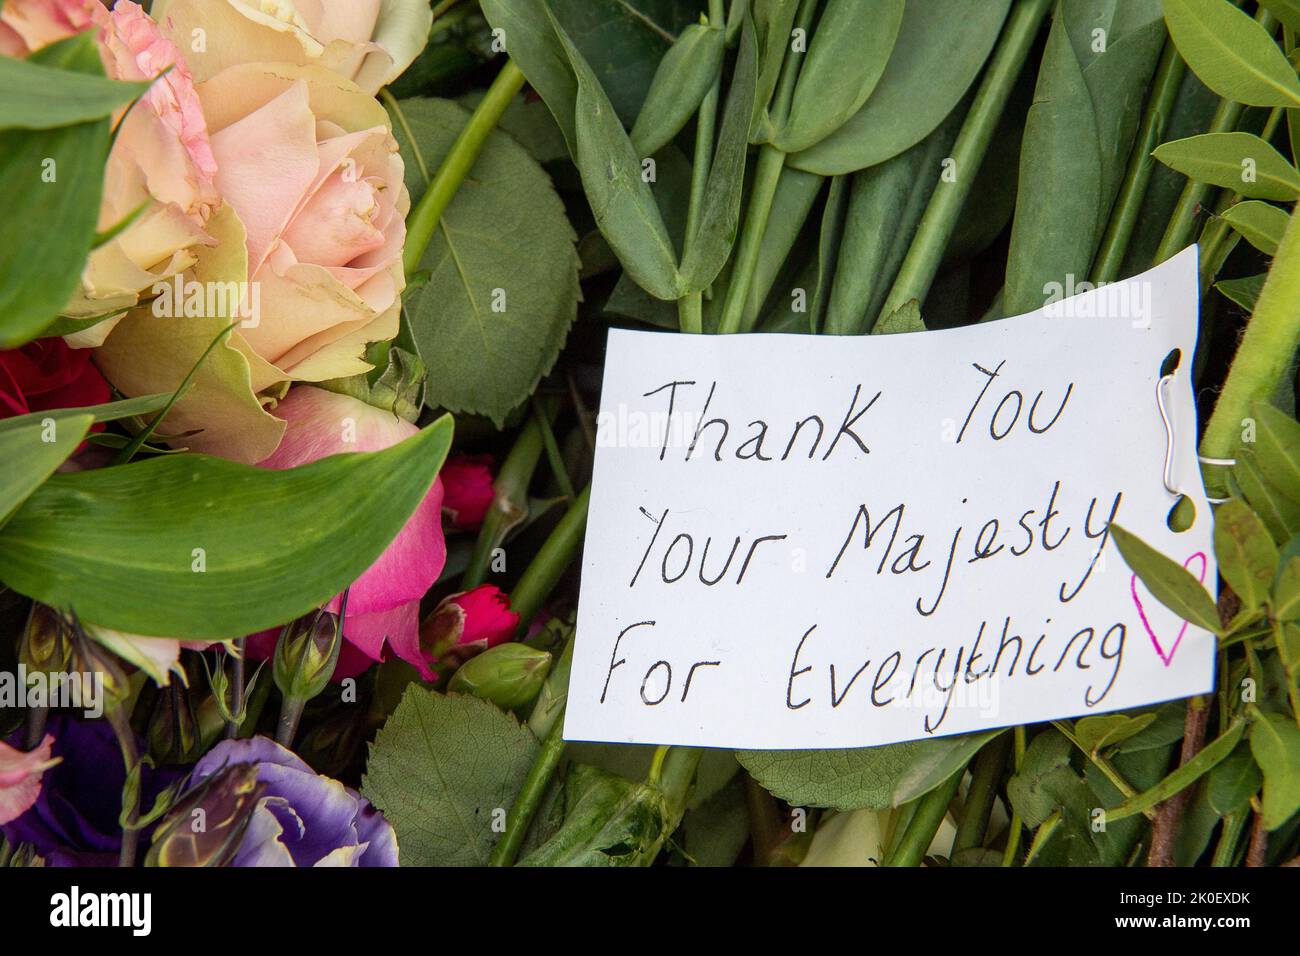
[(304, 819), (74, 821)]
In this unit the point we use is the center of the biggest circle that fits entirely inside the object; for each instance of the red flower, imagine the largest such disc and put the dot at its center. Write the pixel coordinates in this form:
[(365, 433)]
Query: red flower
[(467, 490), (466, 624), (47, 374)]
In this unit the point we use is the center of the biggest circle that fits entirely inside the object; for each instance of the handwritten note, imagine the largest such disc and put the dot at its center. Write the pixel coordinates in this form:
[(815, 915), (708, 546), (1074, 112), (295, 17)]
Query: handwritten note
[(802, 541)]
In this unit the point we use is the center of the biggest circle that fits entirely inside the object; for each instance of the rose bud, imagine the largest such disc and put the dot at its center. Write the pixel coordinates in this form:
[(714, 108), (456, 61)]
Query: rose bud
[(467, 490), (468, 623), (509, 676), (207, 825)]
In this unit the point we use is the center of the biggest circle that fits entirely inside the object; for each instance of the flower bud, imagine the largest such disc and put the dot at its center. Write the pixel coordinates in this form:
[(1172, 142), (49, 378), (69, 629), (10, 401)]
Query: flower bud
[(45, 646), (465, 624), (510, 675), (174, 735), (306, 655), (208, 824)]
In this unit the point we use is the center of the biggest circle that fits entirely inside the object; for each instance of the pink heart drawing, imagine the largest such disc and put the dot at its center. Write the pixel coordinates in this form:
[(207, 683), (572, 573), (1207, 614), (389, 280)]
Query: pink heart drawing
[(1133, 587)]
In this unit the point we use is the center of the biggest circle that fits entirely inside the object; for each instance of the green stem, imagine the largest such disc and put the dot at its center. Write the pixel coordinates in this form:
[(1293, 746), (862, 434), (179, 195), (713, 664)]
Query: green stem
[(1187, 774), (545, 571), (940, 218), (553, 457), (1271, 338), (1226, 849), (930, 811), (287, 728), (509, 501), (395, 107), (530, 796), (985, 776), (1102, 764), (1013, 831), (1124, 215), (1042, 835), (679, 766), (766, 175), (121, 724), (424, 218), (656, 771)]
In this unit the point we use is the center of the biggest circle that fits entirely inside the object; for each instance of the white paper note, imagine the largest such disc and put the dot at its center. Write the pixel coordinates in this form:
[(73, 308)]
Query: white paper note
[(731, 598)]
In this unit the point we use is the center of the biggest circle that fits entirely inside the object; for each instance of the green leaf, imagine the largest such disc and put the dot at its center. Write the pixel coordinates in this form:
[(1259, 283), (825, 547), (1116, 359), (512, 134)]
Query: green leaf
[(930, 69), (1244, 291), (1232, 783), (1279, 512), (1275, 742), (122, 545), (906, 318), (1258, 223), (505, 229), (39, 93), (685, 74), (1238, 161), (1107, 730), (1245, 551), (714, 833), (1046, 781), (1231, 53), (621, 200), (33, 450), (108, 412), (875, 777), (535, 49), (54, 178), (715, 232), (1288, 11), (848, 54), (1286, 588), (440, 768), (1171, 583), (773, 22), (1277, 448)]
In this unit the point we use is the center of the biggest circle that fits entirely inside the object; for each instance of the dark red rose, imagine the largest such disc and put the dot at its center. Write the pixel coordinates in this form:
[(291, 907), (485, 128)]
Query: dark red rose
[(47, 374)]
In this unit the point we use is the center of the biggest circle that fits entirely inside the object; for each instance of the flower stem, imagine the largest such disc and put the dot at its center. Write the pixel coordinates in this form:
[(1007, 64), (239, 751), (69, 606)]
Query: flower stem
[(121, 724), (287, 727), (546, 569), (424, 218), (530, 796), (940, 219), (1013, 831), (553, 457), (1271, 339), (985, 775), (1124, 214), (1102, 764), (924, 824), (236, 687)]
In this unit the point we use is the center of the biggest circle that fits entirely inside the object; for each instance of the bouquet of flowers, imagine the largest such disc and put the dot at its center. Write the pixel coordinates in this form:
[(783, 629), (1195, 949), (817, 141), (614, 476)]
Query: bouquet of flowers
[(302, 308)]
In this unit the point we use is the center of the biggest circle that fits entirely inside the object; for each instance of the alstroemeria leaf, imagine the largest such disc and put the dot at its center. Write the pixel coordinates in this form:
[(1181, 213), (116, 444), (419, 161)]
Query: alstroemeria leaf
[(685, 74), (1171, 583), (1246, 553), (1277, 448), (1275, 742), (1232, 783), (930, 68), (1244, 291), (1106, 730), (846, 58), (1259, 223), (33, 450), (1241, 162), (440, 768), (39, 93), (503, 272), (1231, 53), (202, 548)]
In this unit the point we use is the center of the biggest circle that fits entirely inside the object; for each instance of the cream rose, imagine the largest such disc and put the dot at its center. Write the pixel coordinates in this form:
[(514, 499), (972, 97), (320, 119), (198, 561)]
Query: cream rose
[(367, 41)]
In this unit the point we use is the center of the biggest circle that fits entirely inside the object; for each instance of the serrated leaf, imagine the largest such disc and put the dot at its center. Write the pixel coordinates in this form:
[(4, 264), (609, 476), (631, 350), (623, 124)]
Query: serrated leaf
[(1258, 223), (851, 779), (122, 546), (621, 200), (1232, 783), (1245, 551), (846, 58), (40, 94), (929, 70), (684, 75), (1046, 781), (1231, 53), (1107, 730), (906, 318), (1238, 161), (33, 450), (1277, 448), (440, 768), (505, 229), (1275, 742), (1171, 583)]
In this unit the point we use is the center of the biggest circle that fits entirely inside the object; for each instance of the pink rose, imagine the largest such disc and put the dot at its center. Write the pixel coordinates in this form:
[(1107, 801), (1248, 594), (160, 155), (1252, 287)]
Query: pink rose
[(369, 42), (313, 221), (468, 491), (467, 624), (384, 603), (28, 25), (20, 777)]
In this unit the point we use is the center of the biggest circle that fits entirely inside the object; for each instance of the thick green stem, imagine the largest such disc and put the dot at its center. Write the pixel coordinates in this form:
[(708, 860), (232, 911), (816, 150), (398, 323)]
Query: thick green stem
[(930, 811), (1013, 831), (1263, 357), (985, 776), (287, 727), (509, 501), (552, 561), (424, 218), (940, 218), (530, 796), (1226, 849), (1124, 214)]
